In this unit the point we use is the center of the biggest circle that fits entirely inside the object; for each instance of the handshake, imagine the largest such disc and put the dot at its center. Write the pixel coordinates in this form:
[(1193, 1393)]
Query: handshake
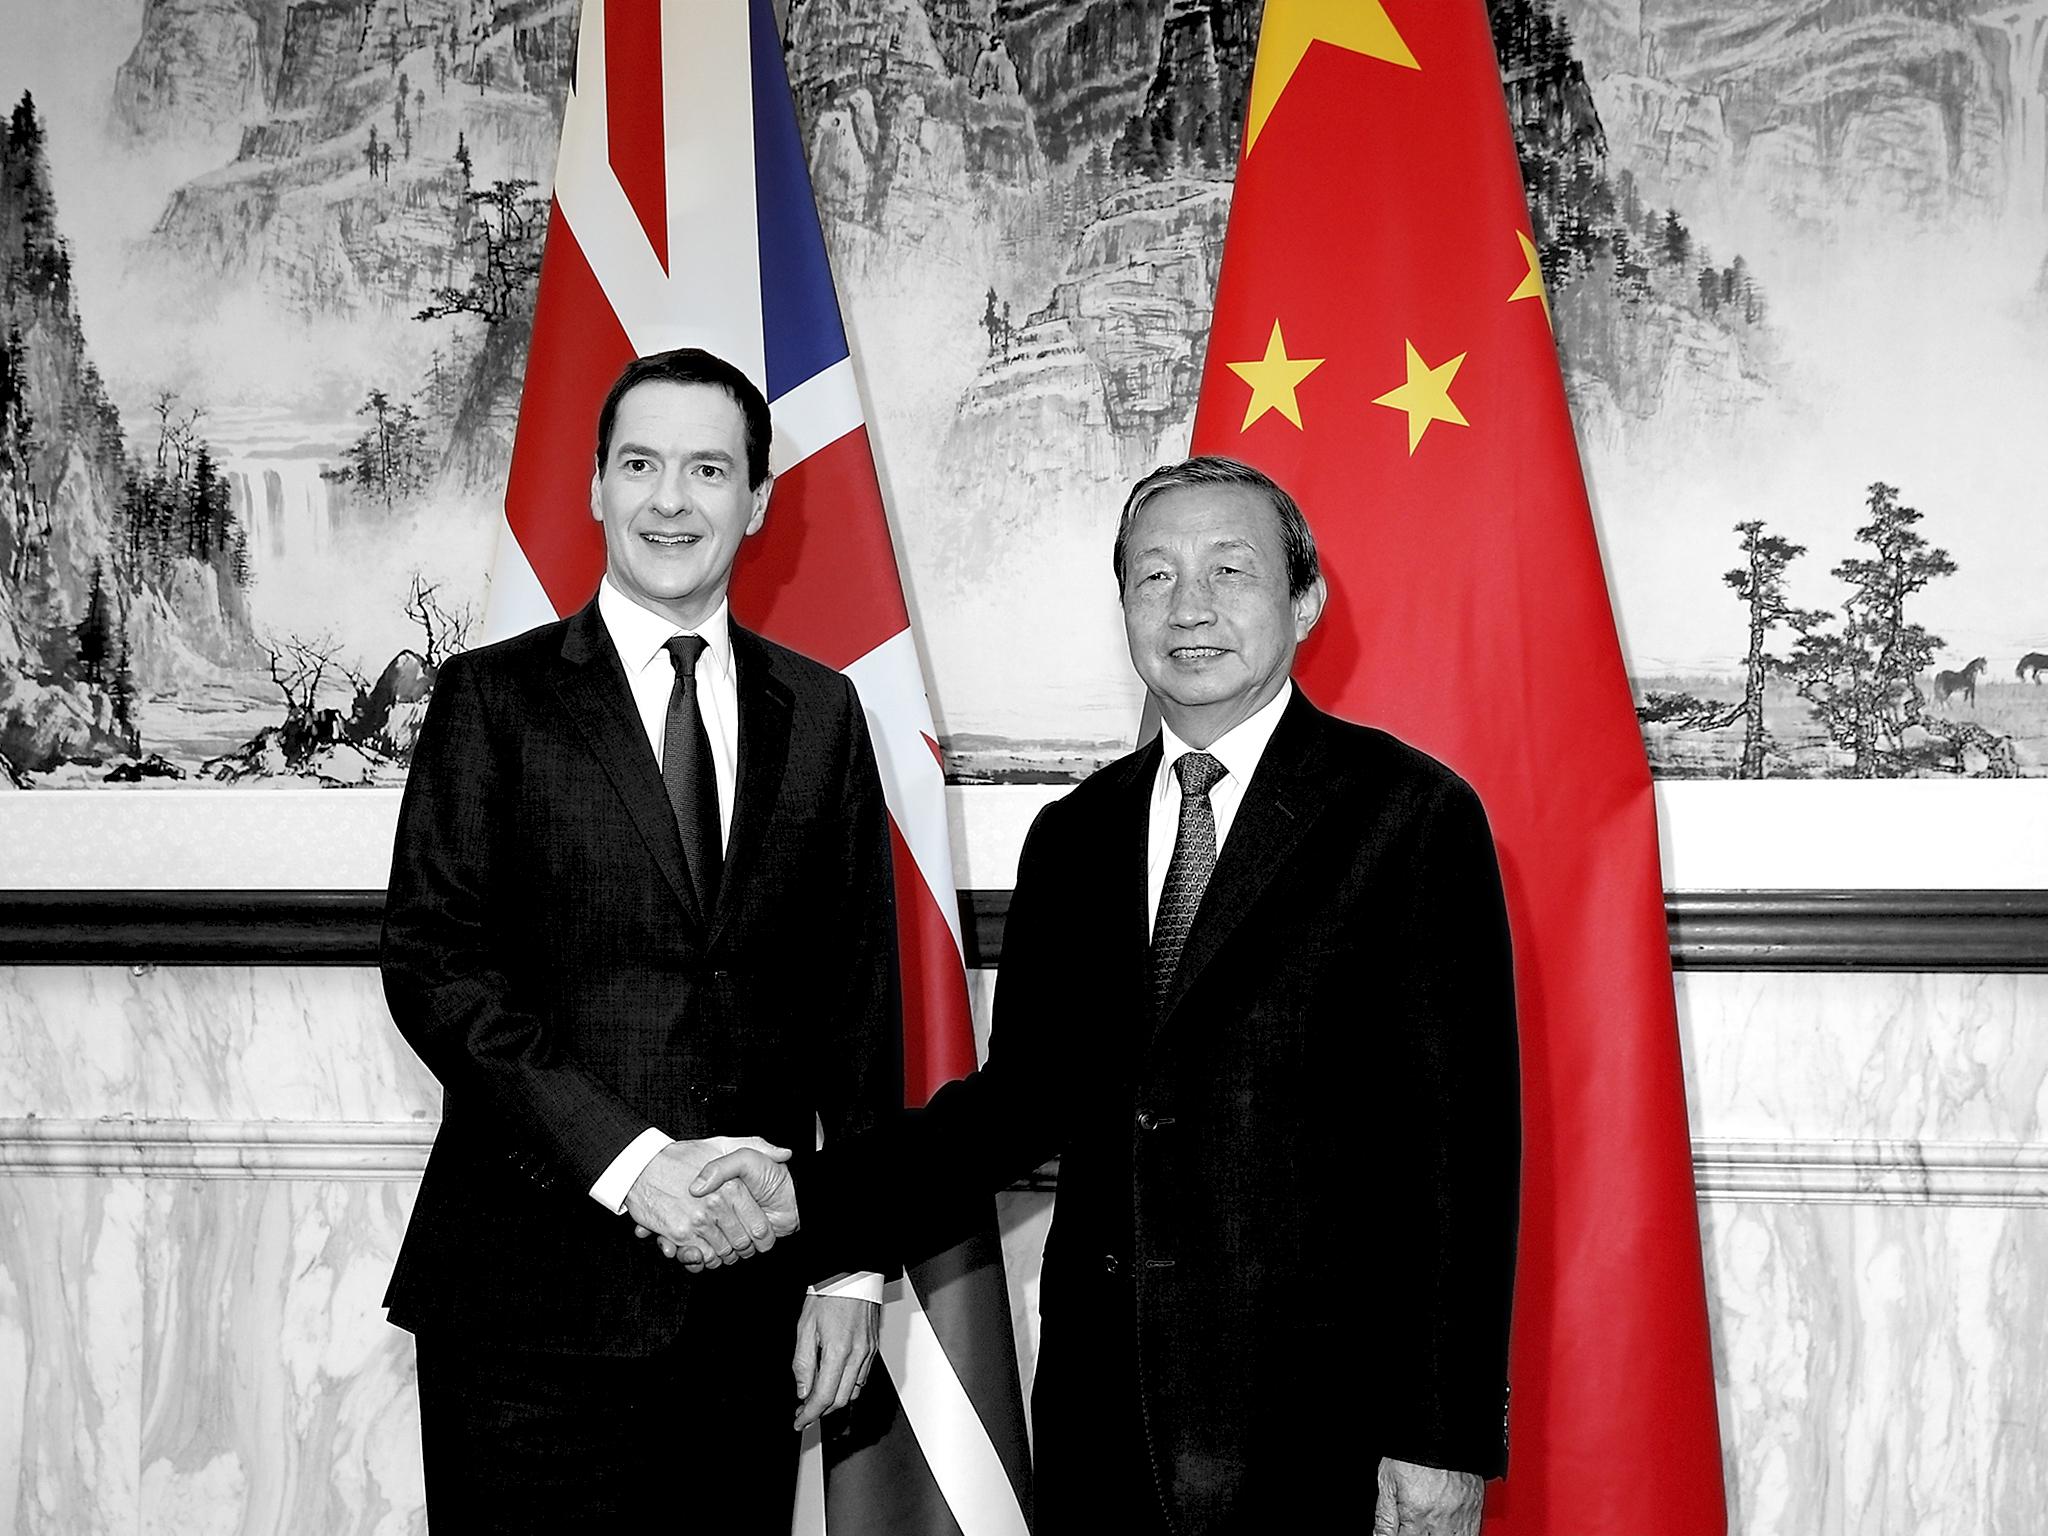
[(714, 1202)]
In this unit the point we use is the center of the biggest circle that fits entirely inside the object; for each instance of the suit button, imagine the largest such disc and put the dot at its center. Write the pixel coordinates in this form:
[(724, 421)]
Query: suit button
[(1112, 1265)]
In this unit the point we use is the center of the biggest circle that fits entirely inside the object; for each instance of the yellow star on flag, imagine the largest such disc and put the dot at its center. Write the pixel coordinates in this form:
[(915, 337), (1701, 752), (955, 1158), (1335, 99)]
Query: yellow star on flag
[(1273, 379), (1362, 26), (1426, 397), (1532, 285)]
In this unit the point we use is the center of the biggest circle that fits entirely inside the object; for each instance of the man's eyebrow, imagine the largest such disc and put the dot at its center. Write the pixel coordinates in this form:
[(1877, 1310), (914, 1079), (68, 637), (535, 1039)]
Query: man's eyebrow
[(715, 455), (1229, 541)]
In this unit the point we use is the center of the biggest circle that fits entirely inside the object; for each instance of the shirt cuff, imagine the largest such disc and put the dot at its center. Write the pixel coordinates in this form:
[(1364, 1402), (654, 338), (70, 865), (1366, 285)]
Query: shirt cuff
[(616, 1182), (861, 1285)]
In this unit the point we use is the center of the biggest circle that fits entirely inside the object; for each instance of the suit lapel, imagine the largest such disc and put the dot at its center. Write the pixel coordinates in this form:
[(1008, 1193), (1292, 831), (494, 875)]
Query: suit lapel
[(765, 713), (591, 683), (1133, 840), (1288, 791)]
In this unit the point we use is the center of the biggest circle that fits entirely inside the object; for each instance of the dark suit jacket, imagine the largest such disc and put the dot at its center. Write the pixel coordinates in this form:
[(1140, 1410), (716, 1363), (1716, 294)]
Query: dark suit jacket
[(543, 954), (1288, 1209)]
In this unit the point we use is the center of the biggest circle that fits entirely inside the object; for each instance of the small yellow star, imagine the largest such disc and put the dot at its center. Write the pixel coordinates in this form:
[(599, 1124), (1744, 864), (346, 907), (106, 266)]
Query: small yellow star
[(1273, 379), (1426, 397), (1362, 26), (1532, 285)]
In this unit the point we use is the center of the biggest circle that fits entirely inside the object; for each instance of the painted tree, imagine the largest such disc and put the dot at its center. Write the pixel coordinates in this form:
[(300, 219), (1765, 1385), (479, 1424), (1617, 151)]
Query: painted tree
[(34, 261), (445, 627), (298, 666), (389, 459), (94, 637), (1677, 240), (1862, 675), (1760, 583), (17, 448), (507, 224), (1710, 287), (121, 687)]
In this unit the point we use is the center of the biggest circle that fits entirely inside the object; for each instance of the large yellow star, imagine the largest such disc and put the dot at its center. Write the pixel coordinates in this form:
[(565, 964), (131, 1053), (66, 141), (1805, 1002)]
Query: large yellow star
[(1426, 397), (1532, 285), (1273, 379), (1362, 26)]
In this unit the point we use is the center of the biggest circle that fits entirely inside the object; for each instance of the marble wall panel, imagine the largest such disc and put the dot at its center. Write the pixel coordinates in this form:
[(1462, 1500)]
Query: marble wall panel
[(179, 1354), (1939, 1057), (276, 1396), (70, 1042), (1881, 1368), (199, 1357), (71, 1353), (205, 1043)]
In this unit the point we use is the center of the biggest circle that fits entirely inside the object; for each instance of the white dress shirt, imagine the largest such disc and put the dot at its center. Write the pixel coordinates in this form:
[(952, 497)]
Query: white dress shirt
[(1238, 750), (641, 637)]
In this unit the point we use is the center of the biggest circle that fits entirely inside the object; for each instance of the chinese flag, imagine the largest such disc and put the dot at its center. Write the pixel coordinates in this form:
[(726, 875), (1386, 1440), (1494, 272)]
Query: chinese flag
[(1382, 346)]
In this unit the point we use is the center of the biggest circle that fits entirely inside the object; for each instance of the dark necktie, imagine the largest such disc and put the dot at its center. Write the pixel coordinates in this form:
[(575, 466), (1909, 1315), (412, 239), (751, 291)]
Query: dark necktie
[(1187, 875), (692, 781)]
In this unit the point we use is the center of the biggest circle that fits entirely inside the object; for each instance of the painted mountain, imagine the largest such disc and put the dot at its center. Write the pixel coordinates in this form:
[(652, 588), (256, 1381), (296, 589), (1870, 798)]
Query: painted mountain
[(267, 288), (1788, 246), (1824, 528), (259, 411)]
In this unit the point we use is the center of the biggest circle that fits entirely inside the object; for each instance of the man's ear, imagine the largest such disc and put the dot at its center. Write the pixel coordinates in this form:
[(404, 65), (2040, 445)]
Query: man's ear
[(1308, 607), (596, 504), (760, 505)]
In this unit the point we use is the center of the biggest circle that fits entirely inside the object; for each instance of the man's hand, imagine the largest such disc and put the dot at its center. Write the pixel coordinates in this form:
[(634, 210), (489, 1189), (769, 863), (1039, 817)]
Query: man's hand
[(1426, 1501), (744, 1168), (719, 1225), (836, 1341)]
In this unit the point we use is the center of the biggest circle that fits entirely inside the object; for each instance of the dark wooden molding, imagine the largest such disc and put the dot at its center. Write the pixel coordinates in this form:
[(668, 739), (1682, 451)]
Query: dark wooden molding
[(1980, 931), (1859, 930), (190, 927)]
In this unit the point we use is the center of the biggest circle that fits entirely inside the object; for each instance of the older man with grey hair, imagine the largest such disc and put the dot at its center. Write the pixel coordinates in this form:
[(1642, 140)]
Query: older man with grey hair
[(1256, 996)]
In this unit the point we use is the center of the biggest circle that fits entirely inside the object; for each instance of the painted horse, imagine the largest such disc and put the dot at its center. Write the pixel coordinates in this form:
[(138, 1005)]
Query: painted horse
[(1963, 682)]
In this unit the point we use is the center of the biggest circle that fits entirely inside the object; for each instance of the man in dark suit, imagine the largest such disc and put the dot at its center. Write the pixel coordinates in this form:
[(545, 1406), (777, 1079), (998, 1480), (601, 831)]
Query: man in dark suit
[(1256, 995), (640, 897)]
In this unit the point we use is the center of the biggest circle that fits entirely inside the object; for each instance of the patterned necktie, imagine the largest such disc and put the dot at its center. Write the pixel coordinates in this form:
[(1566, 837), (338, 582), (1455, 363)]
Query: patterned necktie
[(1187, 875), (686, 770)]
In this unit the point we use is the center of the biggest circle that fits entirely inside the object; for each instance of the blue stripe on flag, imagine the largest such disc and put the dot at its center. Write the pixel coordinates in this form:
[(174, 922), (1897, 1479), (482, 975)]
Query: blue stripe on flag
[(800, 327)]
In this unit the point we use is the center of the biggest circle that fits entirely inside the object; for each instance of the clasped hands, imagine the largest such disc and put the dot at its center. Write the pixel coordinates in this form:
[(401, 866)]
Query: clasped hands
[(714, 1202)]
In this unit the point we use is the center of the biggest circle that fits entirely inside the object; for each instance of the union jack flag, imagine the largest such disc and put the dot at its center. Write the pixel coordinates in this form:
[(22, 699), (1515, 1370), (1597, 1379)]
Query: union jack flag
[(683, 216)]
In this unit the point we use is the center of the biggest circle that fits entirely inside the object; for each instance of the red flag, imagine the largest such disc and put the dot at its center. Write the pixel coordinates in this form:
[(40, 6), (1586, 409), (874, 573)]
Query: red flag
[(683, 217), (1382, 346)]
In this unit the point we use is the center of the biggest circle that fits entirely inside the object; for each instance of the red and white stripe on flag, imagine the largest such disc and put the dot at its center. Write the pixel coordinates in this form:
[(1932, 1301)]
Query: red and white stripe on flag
[(683, 216)]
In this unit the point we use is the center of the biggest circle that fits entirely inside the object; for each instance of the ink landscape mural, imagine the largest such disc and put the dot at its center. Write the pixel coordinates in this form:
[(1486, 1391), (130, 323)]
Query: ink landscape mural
[(267, 266), (266, 273)]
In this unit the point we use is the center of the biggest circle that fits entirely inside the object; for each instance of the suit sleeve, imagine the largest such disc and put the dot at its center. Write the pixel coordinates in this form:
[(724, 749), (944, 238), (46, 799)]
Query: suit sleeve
[(858, 1067), (446, 942), (1451, 1163), (921, 1180)]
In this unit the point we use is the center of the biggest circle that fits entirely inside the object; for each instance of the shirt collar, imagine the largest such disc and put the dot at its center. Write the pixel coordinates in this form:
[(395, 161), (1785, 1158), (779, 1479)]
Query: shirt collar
[(1237, 749), (638, 634)]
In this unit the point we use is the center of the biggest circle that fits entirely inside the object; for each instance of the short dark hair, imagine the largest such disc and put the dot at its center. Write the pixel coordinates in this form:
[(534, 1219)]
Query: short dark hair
[(693, 365), (1212, 469)]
